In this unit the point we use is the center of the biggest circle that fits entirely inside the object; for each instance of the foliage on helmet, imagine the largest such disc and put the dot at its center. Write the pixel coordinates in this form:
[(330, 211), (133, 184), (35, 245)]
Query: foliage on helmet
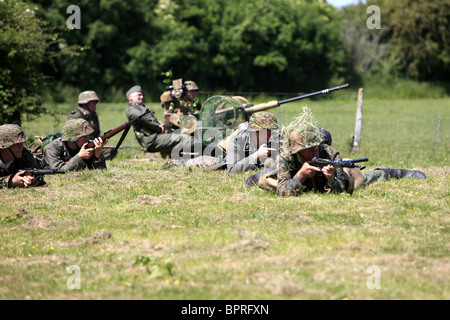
[(11, 134), (302, 133)]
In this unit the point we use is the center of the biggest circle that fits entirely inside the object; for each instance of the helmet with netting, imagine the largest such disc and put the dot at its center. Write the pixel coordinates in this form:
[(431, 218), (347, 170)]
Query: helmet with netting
[(11, 134), (303, 133), (74, 129)]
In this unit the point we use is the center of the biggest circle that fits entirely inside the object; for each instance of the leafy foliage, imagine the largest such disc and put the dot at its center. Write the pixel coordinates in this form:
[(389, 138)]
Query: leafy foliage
[(23, 44)]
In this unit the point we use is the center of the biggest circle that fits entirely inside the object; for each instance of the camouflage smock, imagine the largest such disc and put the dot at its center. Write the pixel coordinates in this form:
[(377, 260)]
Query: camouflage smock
[(26, 162), (92, 118), (289, 184), (59, 156)]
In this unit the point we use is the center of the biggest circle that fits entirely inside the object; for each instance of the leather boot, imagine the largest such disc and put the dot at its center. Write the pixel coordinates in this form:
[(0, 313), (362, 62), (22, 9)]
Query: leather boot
[(400, 173)]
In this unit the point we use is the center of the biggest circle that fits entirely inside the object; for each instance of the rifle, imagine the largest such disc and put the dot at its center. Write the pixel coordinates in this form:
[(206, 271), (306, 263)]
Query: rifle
[(320, 162), (42, 172), (218, 166), (276, 103), (111, 133)]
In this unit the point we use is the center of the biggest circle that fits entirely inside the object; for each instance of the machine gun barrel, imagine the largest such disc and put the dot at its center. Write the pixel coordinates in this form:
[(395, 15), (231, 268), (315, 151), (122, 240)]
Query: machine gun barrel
[(276, 103)]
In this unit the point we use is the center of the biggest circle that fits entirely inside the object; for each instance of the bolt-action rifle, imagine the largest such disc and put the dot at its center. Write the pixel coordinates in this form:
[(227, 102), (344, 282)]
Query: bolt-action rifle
[(320, 162), (111, 133), (42, 172)]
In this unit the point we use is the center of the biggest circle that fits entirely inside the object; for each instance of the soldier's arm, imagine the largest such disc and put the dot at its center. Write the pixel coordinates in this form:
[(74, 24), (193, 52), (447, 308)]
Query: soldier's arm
[(236, 160), (5, 182), (287, 186), (55, 160), (148, 122), (338, 184)]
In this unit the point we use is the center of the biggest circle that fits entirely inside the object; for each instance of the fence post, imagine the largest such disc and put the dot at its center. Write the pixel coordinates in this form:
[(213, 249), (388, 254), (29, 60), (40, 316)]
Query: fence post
[(358, 124), (437, 131)]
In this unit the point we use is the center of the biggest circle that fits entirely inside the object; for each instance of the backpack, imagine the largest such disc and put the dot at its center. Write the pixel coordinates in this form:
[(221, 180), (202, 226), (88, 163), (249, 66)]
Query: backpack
[(38, 145)]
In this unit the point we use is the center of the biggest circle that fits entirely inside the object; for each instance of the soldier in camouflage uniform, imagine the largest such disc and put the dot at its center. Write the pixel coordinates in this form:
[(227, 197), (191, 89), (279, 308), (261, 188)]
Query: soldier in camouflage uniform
[(296, 175), (150, 132), (69, 153), (14, 157), (187, 104), (248, 148), (87, 110)]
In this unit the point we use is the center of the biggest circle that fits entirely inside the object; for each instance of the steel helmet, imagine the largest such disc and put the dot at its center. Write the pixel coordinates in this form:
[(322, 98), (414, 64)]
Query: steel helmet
[(87, 96), (262, 120), (11, 134), (75, 128)]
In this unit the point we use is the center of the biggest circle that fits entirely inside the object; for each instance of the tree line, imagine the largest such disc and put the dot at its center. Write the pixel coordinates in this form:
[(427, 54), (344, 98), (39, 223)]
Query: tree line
[(229, 45)]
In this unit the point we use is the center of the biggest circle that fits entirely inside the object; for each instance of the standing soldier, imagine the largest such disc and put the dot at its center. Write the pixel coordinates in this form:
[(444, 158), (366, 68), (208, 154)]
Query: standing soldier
[(14, 157), (180, 100), (69, 153), (87, 110), (151, 133)]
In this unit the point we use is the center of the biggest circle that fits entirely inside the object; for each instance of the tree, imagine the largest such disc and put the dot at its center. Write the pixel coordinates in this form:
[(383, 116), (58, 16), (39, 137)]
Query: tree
[(418, 32), (23, 45)]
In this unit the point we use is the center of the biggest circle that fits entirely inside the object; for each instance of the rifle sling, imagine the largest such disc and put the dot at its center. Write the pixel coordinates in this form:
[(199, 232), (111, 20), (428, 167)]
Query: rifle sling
[(124, 134)]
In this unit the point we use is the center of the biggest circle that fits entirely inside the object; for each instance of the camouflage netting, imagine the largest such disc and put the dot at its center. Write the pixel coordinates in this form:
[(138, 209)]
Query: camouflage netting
[(219, 114), (302, 132)]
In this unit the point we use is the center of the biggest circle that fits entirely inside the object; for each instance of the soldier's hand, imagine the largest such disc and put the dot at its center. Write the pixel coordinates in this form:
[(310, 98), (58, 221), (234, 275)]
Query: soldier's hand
[(22, 179), (99, 144), (85, 153), (329, 171), (307, 171), (161, 127), (263, 153)]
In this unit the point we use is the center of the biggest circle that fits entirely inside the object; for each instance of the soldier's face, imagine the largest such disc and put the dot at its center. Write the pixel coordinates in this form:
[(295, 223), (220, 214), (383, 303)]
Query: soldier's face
[(82, 140), (137, 97), (192, 95), (92, 106), (308, 154), (263, 137), (16, 148)]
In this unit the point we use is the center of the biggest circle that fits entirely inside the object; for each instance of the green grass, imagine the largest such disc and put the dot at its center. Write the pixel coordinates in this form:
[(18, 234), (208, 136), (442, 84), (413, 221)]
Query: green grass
[(139, 232)]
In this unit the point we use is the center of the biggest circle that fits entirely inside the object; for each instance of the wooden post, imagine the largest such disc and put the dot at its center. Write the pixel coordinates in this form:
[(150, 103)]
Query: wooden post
[(358, 124), (437, 131)]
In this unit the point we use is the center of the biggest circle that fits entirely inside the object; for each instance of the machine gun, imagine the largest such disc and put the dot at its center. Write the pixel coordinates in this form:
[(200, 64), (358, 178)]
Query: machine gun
[(320, 162), (221, 115), (276, 103)]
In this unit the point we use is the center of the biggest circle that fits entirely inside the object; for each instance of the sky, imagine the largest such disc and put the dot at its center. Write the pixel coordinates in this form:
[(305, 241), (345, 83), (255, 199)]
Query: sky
[(342, 3)]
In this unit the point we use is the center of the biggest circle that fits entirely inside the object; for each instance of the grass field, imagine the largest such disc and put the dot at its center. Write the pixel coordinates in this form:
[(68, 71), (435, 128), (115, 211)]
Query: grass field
[(137, 231)]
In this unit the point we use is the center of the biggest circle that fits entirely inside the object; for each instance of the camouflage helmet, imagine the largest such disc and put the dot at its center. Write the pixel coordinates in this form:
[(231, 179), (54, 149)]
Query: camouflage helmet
[(11, 134), (262, 120), (304, 133), (190, 85), (87, 96), (75, 128)]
